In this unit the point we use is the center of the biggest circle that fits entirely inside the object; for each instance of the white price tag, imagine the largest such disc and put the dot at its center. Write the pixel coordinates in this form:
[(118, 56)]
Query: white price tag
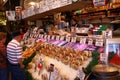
[(39, 35), (42, 36), (62, 38), (45, 36), (99, 42), (48, 37), (68, 39), (73, 39), (81, 74), (36, 35), (32, 36), (53, 37), (90, 41), (82, 40), (57, 37)]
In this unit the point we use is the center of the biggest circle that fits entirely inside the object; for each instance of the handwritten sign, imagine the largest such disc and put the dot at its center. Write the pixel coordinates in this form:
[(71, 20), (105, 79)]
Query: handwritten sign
[(68, 39), (57, 37), (99, 42), (53, 37), (82, 40), (73, 39), (62, 38), (90, 41), (48, 37), (45, 36)]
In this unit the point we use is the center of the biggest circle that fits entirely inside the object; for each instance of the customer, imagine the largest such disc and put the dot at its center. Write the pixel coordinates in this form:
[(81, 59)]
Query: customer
[(3, 57), (14, 55), (74, 23)]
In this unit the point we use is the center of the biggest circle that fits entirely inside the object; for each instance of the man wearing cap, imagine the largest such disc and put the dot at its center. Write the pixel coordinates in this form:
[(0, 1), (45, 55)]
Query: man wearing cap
[(14, 55)]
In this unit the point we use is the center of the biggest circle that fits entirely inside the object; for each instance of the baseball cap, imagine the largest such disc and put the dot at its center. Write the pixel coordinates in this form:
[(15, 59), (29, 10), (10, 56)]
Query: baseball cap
[(16, 33)]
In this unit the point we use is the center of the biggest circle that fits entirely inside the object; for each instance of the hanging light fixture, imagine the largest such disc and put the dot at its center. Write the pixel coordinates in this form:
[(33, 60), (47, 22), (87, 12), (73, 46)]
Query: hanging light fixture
[(32, 3), (4, 0)]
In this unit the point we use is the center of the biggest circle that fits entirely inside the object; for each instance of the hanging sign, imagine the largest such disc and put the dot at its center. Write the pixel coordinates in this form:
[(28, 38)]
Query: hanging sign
[(99, 42), (82, 40), (99, 2)]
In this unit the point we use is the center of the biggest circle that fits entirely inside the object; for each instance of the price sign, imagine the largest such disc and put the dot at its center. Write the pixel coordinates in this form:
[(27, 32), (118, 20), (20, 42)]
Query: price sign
[(62, 38), (81, 74), (99, 2), (48, 37), (45, 36), (82, 40), (31, 35), (57, 37), (73, 39), (42, 36), (99, 42), (68, 39), (34, 36), (39, 35), (53, 37), (90, 41)]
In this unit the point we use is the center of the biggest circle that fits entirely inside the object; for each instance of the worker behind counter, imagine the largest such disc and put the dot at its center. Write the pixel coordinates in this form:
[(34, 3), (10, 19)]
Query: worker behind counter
[(74, 25), (60, 23)]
